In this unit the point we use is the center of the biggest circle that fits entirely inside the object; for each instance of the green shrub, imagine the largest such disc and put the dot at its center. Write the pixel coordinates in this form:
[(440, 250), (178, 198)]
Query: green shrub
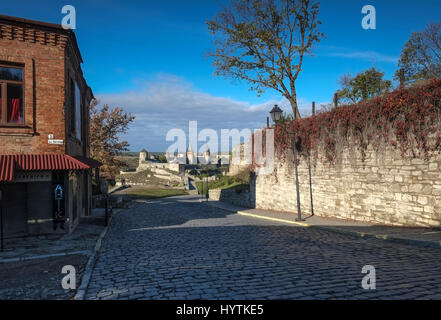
[(225, 182)]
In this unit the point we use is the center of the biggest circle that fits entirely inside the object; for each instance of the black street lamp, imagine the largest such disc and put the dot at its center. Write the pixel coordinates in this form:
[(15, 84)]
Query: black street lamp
[(276, 114)]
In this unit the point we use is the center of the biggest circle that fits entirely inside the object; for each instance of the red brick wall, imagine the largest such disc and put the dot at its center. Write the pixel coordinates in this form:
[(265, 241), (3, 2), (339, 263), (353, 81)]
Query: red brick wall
[(73, 145), (43, 55)]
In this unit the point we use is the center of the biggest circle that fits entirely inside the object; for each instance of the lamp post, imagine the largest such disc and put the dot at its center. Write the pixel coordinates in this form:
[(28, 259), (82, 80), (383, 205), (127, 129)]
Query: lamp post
[(206, 180), (276, 115)]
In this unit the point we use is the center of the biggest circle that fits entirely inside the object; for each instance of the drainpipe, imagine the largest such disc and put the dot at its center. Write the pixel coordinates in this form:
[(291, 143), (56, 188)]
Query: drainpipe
[(1, 221), (310, 184), (309, 167)]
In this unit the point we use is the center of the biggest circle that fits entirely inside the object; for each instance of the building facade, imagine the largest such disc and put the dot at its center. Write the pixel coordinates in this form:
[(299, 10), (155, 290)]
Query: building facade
[(45, 169)]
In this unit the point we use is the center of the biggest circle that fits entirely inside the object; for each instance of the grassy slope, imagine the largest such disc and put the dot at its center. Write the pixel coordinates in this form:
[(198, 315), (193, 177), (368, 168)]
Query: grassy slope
[(143, 177), (155, 193), (224, 182)]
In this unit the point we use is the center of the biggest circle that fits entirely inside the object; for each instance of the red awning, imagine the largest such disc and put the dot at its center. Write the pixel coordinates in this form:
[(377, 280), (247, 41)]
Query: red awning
[(47, 162), (6, 168)]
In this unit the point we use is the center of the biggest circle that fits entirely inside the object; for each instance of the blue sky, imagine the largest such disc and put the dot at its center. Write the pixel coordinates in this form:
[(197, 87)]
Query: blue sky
[(150, 58)]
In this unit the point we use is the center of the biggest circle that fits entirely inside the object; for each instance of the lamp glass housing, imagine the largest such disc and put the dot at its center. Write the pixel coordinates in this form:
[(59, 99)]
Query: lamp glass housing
[(276, 114)]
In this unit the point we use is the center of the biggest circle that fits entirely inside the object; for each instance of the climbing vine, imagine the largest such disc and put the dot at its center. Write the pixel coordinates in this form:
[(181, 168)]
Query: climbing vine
[(407, 119)]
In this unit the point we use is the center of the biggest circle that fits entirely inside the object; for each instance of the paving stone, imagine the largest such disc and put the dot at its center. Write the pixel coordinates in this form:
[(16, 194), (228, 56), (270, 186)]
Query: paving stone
[(175, 249)]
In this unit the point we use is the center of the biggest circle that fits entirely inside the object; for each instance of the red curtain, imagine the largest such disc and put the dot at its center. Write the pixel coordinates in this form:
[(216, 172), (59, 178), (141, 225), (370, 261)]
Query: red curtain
[(14, 110)]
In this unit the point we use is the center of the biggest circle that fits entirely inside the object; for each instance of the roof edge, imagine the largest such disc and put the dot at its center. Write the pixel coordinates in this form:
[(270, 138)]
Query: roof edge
[(48, 26)]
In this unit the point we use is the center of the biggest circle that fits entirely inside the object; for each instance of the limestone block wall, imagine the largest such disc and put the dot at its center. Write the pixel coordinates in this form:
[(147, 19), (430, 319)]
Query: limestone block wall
[(236, 195), (166, 175), (235, 169), (146, 165), (384, 188)]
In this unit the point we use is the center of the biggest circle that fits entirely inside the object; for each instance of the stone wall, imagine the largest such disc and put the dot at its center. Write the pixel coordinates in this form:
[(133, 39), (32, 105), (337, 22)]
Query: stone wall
[(240, 196), (149, 165), (384, 188), (235, 169)]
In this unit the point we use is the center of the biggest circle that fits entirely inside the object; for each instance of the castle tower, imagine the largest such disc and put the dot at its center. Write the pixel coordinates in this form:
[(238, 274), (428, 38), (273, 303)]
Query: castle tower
[(207, 156), (143, 156), (190, 156)]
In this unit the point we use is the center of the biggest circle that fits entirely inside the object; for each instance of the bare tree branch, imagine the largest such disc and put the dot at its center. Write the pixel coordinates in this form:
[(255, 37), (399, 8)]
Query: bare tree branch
[(264, 42)]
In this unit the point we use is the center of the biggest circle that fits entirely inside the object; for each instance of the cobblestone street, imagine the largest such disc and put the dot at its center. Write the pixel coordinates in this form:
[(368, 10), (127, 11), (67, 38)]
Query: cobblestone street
[(30, 267), (178, 248)]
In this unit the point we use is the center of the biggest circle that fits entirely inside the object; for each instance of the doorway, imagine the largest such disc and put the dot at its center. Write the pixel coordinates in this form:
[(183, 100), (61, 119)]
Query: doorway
[(15, 217)]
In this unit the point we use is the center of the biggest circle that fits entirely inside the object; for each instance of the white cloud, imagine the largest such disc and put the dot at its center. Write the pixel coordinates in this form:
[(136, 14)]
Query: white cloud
[(169, 102), (369, 55)]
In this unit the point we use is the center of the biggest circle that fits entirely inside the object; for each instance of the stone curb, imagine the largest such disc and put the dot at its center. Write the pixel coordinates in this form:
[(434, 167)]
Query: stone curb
[(44, 256), (81, 291), (420, 243), (302, 224)]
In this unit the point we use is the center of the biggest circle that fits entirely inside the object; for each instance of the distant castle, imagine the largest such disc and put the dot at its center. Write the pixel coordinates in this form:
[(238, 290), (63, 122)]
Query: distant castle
[(145, 163), (178, 162), (191, 158)]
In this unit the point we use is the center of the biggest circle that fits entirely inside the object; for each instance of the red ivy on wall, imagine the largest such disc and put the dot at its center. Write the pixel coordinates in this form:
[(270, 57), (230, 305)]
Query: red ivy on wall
[(403, 119)]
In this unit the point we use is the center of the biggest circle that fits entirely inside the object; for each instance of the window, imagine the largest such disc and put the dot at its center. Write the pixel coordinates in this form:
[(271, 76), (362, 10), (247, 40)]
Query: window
[(75, 109), (11, 95), (72, 105), (77, 112)]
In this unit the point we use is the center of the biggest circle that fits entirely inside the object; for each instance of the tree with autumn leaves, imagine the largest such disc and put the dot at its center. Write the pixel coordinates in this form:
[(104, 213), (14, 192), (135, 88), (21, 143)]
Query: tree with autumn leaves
[(265, 42), (420, 59), (364, 86), (106, 126)]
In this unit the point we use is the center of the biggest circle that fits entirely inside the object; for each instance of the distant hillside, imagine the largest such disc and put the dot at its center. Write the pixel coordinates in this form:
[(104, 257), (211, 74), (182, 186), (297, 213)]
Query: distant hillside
[(133, 153), (129, 154), (131, 159), (131, 162)]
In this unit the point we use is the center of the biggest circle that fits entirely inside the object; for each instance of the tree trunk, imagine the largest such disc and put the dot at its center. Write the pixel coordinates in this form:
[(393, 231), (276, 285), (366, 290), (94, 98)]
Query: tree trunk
[(295, 108)]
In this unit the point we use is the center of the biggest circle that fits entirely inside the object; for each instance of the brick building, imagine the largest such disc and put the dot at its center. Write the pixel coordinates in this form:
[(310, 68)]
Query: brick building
[(45, 169)]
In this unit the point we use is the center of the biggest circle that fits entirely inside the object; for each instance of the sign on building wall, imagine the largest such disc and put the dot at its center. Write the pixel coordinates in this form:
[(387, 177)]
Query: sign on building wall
[(53, 141), (39, 176)]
